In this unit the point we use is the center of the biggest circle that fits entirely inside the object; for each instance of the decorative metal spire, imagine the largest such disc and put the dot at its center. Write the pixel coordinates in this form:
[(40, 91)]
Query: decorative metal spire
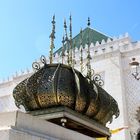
[(73, 61), (67, 42), (81, 51), (65, 28), (70, 39), (89, 74), (62, 55), (52, 37), (81, 37), (81, 59), (88, 24)]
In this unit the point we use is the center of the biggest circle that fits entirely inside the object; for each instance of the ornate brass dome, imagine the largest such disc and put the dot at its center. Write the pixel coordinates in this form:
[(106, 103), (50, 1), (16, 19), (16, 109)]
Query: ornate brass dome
[(61, 85)]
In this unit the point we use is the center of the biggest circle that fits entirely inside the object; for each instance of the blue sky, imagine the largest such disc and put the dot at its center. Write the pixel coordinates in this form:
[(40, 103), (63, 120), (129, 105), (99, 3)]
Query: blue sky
[(25, 26)]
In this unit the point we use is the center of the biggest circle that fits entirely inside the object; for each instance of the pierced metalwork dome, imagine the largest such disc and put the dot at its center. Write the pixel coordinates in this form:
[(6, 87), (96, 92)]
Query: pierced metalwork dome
[(61, 85), (56, 85)]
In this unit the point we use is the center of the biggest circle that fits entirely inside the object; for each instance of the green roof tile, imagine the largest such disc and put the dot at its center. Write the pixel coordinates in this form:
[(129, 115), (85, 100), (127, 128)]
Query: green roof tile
[(94, 36)]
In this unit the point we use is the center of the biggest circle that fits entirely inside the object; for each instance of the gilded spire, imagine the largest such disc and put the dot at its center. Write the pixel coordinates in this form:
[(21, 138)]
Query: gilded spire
[(81, 59), (70, 37), (65, 28), (88, 53), (81, 37), (62, 55), (73, 61), (52, 37), (67, 42), (81, 51)]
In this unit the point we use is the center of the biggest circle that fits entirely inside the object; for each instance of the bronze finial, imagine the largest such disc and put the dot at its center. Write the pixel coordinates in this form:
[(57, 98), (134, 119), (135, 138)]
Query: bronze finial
[(81, 58), (88, 53), (65, 28), (52, 36), (62, 55), (81, 37), (88, 24), (74, 61), (70, 39), (70, 26), (67, 42), (81, 50)]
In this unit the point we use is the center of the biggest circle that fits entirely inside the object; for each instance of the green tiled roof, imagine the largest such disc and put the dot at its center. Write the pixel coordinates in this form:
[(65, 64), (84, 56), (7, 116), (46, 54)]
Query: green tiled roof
[(94, 36)]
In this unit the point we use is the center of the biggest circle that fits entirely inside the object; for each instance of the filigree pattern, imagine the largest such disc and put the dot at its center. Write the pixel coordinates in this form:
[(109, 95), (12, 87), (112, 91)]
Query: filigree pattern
[(36, 65), (95, 78), (58, 84), (43, 59), (98, 80)]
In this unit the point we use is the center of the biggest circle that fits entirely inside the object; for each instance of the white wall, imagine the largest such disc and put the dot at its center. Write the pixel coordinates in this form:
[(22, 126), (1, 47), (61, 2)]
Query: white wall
[(114, 63)]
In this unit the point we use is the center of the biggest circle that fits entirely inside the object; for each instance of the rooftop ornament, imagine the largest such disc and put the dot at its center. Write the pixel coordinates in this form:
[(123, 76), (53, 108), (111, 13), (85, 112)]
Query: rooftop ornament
[(59, 87), (52, 37), (135, 65)]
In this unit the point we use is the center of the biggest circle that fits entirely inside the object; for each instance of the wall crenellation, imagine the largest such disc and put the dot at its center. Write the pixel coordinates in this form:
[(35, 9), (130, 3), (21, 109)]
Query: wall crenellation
[(109, 45), (122, 43)]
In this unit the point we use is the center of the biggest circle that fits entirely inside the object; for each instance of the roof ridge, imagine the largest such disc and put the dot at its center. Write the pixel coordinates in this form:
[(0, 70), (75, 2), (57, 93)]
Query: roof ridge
[(100, 32)]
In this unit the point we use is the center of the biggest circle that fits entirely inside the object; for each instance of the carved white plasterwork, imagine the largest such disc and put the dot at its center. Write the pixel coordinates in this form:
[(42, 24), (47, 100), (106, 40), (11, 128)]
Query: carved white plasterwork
[(132, 93)]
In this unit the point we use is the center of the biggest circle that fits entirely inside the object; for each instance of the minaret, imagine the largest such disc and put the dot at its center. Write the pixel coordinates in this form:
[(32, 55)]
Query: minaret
[(67, 42), (70, 40), (62, 55), (88, 53), (52, 37), (81, 51)]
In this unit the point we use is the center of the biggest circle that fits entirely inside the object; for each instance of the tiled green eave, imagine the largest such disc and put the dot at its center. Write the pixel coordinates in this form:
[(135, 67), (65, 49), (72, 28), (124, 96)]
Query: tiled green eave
[(94, 36)]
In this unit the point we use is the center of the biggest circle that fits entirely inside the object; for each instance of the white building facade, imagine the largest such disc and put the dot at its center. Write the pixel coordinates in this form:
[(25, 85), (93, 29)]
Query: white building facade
[(111, 59)]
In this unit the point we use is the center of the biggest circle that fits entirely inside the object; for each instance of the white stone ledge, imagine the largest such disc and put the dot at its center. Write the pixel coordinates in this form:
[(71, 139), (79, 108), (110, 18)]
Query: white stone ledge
[(27, 123)]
